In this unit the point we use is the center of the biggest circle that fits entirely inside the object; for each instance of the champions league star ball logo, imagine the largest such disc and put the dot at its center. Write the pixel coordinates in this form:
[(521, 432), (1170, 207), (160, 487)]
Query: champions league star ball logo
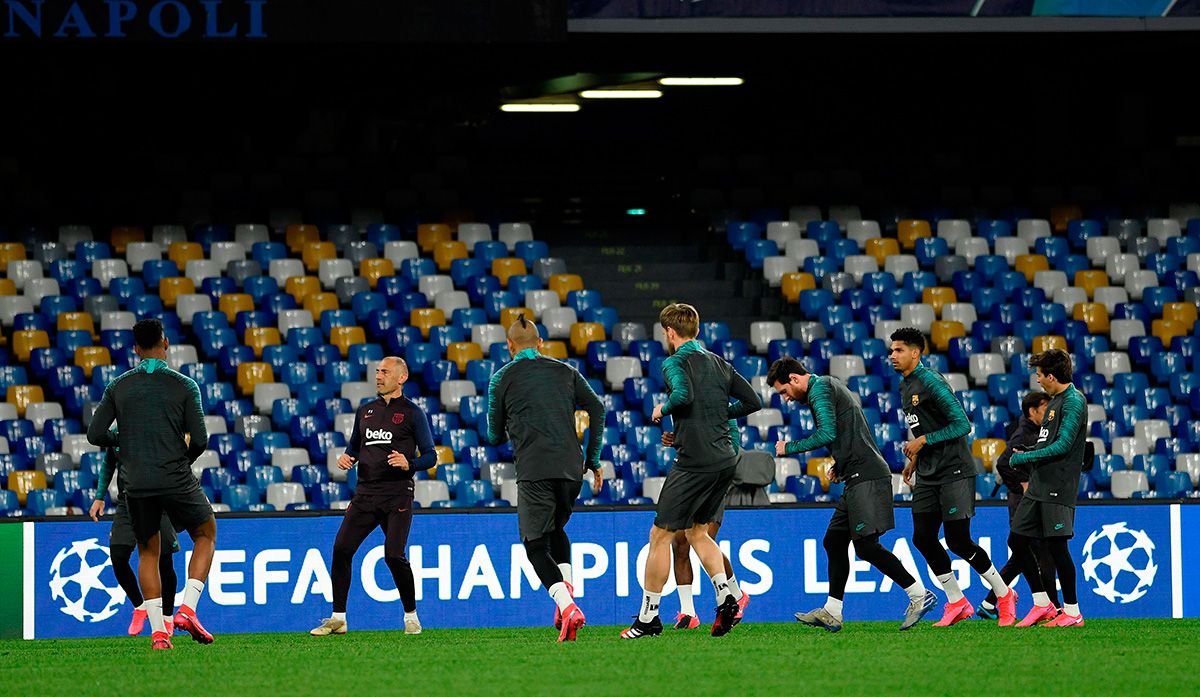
[(75, 582), (1120, 562)]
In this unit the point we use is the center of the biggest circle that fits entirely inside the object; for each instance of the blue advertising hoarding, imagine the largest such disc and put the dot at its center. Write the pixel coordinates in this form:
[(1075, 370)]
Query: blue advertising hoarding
[(272, 574)]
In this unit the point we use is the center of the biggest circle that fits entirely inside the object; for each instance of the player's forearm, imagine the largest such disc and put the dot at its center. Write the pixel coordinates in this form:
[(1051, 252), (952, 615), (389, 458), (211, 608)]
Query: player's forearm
[(958, 427), (679, 388)]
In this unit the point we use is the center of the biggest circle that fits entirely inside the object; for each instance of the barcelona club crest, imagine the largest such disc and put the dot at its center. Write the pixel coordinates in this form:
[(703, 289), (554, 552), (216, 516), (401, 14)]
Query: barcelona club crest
[(1050, 416), (916, 400), (398, 418)]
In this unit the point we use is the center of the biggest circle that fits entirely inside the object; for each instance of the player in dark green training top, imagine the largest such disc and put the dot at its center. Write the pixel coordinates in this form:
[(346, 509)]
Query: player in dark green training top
[(1047, 510), (865, 510), (532, 401), (944, 490), (700, 387), (159, 409)]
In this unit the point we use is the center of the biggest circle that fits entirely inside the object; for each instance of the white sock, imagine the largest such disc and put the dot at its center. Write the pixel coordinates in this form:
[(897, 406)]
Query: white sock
[(733, 586), (565, 569), (993, 578), (987, 606), (192, 592), (154, 613), (686, 606), (916, 591), (141, 607), (950, 585), (1041, 599), (649, 606), (560, 595), (1071, 609), (833, 606), (411, 616), (721, 586), (339, 616)]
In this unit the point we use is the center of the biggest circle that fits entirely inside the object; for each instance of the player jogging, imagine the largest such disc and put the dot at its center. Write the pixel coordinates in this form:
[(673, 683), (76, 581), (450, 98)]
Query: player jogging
[(700, 386), (865, 510), (944, 490), (387, 435), (1047, 511), (159, 411), (532, 402)]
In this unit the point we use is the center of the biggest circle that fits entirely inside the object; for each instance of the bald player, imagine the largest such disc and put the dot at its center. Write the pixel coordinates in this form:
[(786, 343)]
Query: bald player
[(388, 434), (532, 402)]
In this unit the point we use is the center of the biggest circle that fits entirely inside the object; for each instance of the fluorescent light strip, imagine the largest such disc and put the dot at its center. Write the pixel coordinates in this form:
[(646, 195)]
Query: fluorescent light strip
[(621, 94), (701, 81), (539, 108)]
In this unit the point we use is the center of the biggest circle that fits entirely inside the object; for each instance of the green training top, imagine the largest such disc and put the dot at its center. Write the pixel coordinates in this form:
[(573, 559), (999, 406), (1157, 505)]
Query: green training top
[(155, 407), (842, 427), (1057, 458), (532, 400), (704, 394), (932, 410)]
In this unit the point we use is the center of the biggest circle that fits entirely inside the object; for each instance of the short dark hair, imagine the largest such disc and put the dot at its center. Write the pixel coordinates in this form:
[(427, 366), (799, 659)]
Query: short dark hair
[(911, 336), (1056, 362), (782, 368), (148, 333), (1033, 400)]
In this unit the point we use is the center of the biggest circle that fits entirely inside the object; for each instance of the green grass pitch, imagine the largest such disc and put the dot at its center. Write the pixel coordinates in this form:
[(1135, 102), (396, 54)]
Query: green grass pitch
[(1106, 657)]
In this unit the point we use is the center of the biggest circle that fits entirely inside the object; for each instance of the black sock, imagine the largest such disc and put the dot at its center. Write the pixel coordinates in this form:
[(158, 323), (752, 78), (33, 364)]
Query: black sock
[(836, 544), (869, 550), (543, 563), (124, 572)]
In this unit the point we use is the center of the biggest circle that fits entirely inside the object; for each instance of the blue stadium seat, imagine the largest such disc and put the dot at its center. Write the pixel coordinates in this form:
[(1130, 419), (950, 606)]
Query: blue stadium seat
[(227, 446), (1172, 485), (262, 476), (38, 500), (278, 302), (310, 477), (125, 288), (216, 478), (480, 287), (239, 497), (325, 494), (598, 353), (244, 461), (379, 234), (267, 442), (363, 305), (742, 234), (879, 284), (805, 487)]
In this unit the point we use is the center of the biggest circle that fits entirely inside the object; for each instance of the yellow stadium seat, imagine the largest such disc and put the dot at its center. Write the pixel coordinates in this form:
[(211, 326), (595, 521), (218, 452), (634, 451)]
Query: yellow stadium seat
[(122, 236), (819, 467), (1184, 313), (258, 338), (22, 396), (298, 235), (233, 303), (509, 315), (424, 318), (508, 267), (1094, 314), (1090, 281), (1030, 264), (8, 286), (1061, 216), (582, 422), (430, 234), (183, 252), (11, 251), (937, 297), (988, 450), (907, 232), (1167, 329), (316, 303), (316, 252), (21, 482), (881, 248), (169, 289), (445, 456), (251, 374), (88, 357), (942, 332), (76, 321), (300, 287), (795, 282), (345, 337), (445, 252), (564, 283), (375, 269), (463, 352), (26, 340), (555, 349), (583, 333), (1045, 343)]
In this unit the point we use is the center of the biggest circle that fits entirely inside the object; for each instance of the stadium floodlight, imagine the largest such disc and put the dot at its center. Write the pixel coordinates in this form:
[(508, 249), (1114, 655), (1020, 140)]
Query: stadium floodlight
[(621, 94), (701, 81), (539, 108)]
